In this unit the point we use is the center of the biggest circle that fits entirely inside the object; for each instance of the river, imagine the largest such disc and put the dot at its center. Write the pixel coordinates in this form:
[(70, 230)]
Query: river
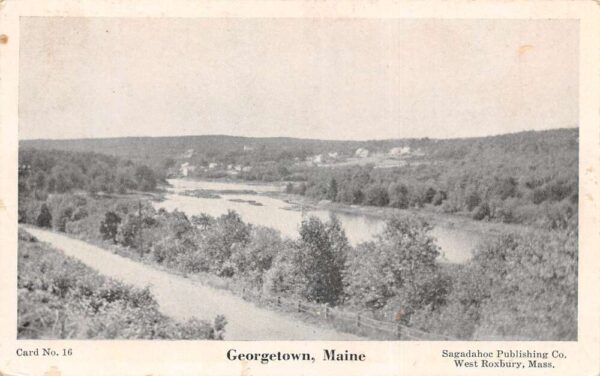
[(456, 245)]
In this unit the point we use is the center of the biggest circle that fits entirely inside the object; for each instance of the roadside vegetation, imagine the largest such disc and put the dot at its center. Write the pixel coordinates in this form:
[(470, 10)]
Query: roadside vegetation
[(59, 297), (518, 286)]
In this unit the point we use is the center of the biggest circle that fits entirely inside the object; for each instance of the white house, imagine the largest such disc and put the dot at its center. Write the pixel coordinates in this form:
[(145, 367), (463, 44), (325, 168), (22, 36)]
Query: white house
[(186, 169), (361, 153), (400, 151)]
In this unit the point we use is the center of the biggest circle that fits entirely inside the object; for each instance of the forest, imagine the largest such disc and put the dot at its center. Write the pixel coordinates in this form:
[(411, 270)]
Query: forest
[(518, 285), (526, 178), (42, 173)]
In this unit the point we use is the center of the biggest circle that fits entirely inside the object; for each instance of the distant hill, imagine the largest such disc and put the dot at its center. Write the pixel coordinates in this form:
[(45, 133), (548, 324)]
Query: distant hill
[(525, 177), (154, 149)]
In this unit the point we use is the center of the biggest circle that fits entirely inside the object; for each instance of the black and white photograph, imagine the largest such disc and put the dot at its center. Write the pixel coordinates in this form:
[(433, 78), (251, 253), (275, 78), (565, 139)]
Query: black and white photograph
[(298, 179)]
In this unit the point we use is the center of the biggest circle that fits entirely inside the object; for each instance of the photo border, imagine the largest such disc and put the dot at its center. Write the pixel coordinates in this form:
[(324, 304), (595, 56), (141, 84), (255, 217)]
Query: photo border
[(108, 357)]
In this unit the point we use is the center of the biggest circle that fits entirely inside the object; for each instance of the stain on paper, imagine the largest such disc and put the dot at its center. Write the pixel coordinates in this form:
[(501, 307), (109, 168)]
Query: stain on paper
[(3, 39), (53, 371), (523, 49)]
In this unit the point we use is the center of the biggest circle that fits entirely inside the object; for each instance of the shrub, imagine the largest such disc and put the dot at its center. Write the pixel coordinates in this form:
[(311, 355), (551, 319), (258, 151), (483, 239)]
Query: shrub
[(60, 298), (481, 212), (398, 271), (44, 219), (438, 198), (109, 226), (532, 287), (318, 265), (398, 196), (377, 196)]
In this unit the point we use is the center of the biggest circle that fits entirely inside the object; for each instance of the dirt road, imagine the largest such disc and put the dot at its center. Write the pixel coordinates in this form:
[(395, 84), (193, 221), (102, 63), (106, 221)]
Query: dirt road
[(182, 298)]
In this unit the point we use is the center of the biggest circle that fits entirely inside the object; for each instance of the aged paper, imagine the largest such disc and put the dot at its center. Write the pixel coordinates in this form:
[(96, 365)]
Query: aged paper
[(288, 187)]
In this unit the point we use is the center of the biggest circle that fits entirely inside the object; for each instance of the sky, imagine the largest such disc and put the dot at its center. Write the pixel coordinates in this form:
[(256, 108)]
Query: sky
[(348, 79)]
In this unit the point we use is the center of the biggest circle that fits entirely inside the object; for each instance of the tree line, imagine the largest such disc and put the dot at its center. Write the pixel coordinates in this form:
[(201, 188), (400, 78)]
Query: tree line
[(523, 178), (518, 285), (43, 172)]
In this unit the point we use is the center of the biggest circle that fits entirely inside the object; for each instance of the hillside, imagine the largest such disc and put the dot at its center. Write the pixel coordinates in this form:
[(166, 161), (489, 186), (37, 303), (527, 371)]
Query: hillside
[(245, 150)]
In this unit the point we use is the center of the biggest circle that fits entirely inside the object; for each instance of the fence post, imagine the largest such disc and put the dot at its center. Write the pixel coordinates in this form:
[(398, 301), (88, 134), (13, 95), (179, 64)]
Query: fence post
[(326, 313), (279, 301), (358, 320), (299, 304), (398, 330)]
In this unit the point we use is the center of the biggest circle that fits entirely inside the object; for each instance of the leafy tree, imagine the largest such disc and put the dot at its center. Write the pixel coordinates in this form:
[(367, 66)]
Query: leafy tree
[(145, 178), (252, 261), (506, 188), (481, 212), (60, 219), (289, 188), (318, 263), (398, 271), (44, 219), (532, 286), (398, 196), (472, 200), (228, 233), (429, 195), (439, 197), (332, 191), (109, 226), (377, 196)]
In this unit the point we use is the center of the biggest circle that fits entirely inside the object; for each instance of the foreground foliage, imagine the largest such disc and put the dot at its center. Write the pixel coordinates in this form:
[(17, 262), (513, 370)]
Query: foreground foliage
[(518, 286), (59, 297)]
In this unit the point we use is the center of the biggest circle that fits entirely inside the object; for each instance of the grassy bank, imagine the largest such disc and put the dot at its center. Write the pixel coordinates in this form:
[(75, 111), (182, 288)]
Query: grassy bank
[(61, 298)]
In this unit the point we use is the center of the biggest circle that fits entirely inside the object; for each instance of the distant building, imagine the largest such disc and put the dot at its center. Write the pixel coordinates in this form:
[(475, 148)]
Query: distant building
[(213, 165), (247, 168), (248, 148), (186, 169), (399, 151), (333, 155), (317, 158), (361, 153)]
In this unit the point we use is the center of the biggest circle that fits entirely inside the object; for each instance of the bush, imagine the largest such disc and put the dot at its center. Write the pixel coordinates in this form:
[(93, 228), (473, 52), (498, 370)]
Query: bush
[(398, 271), (60, 298), (532, 287), (44, 219), (110, 226), (481, 212), (398, 196), (377, 196)]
